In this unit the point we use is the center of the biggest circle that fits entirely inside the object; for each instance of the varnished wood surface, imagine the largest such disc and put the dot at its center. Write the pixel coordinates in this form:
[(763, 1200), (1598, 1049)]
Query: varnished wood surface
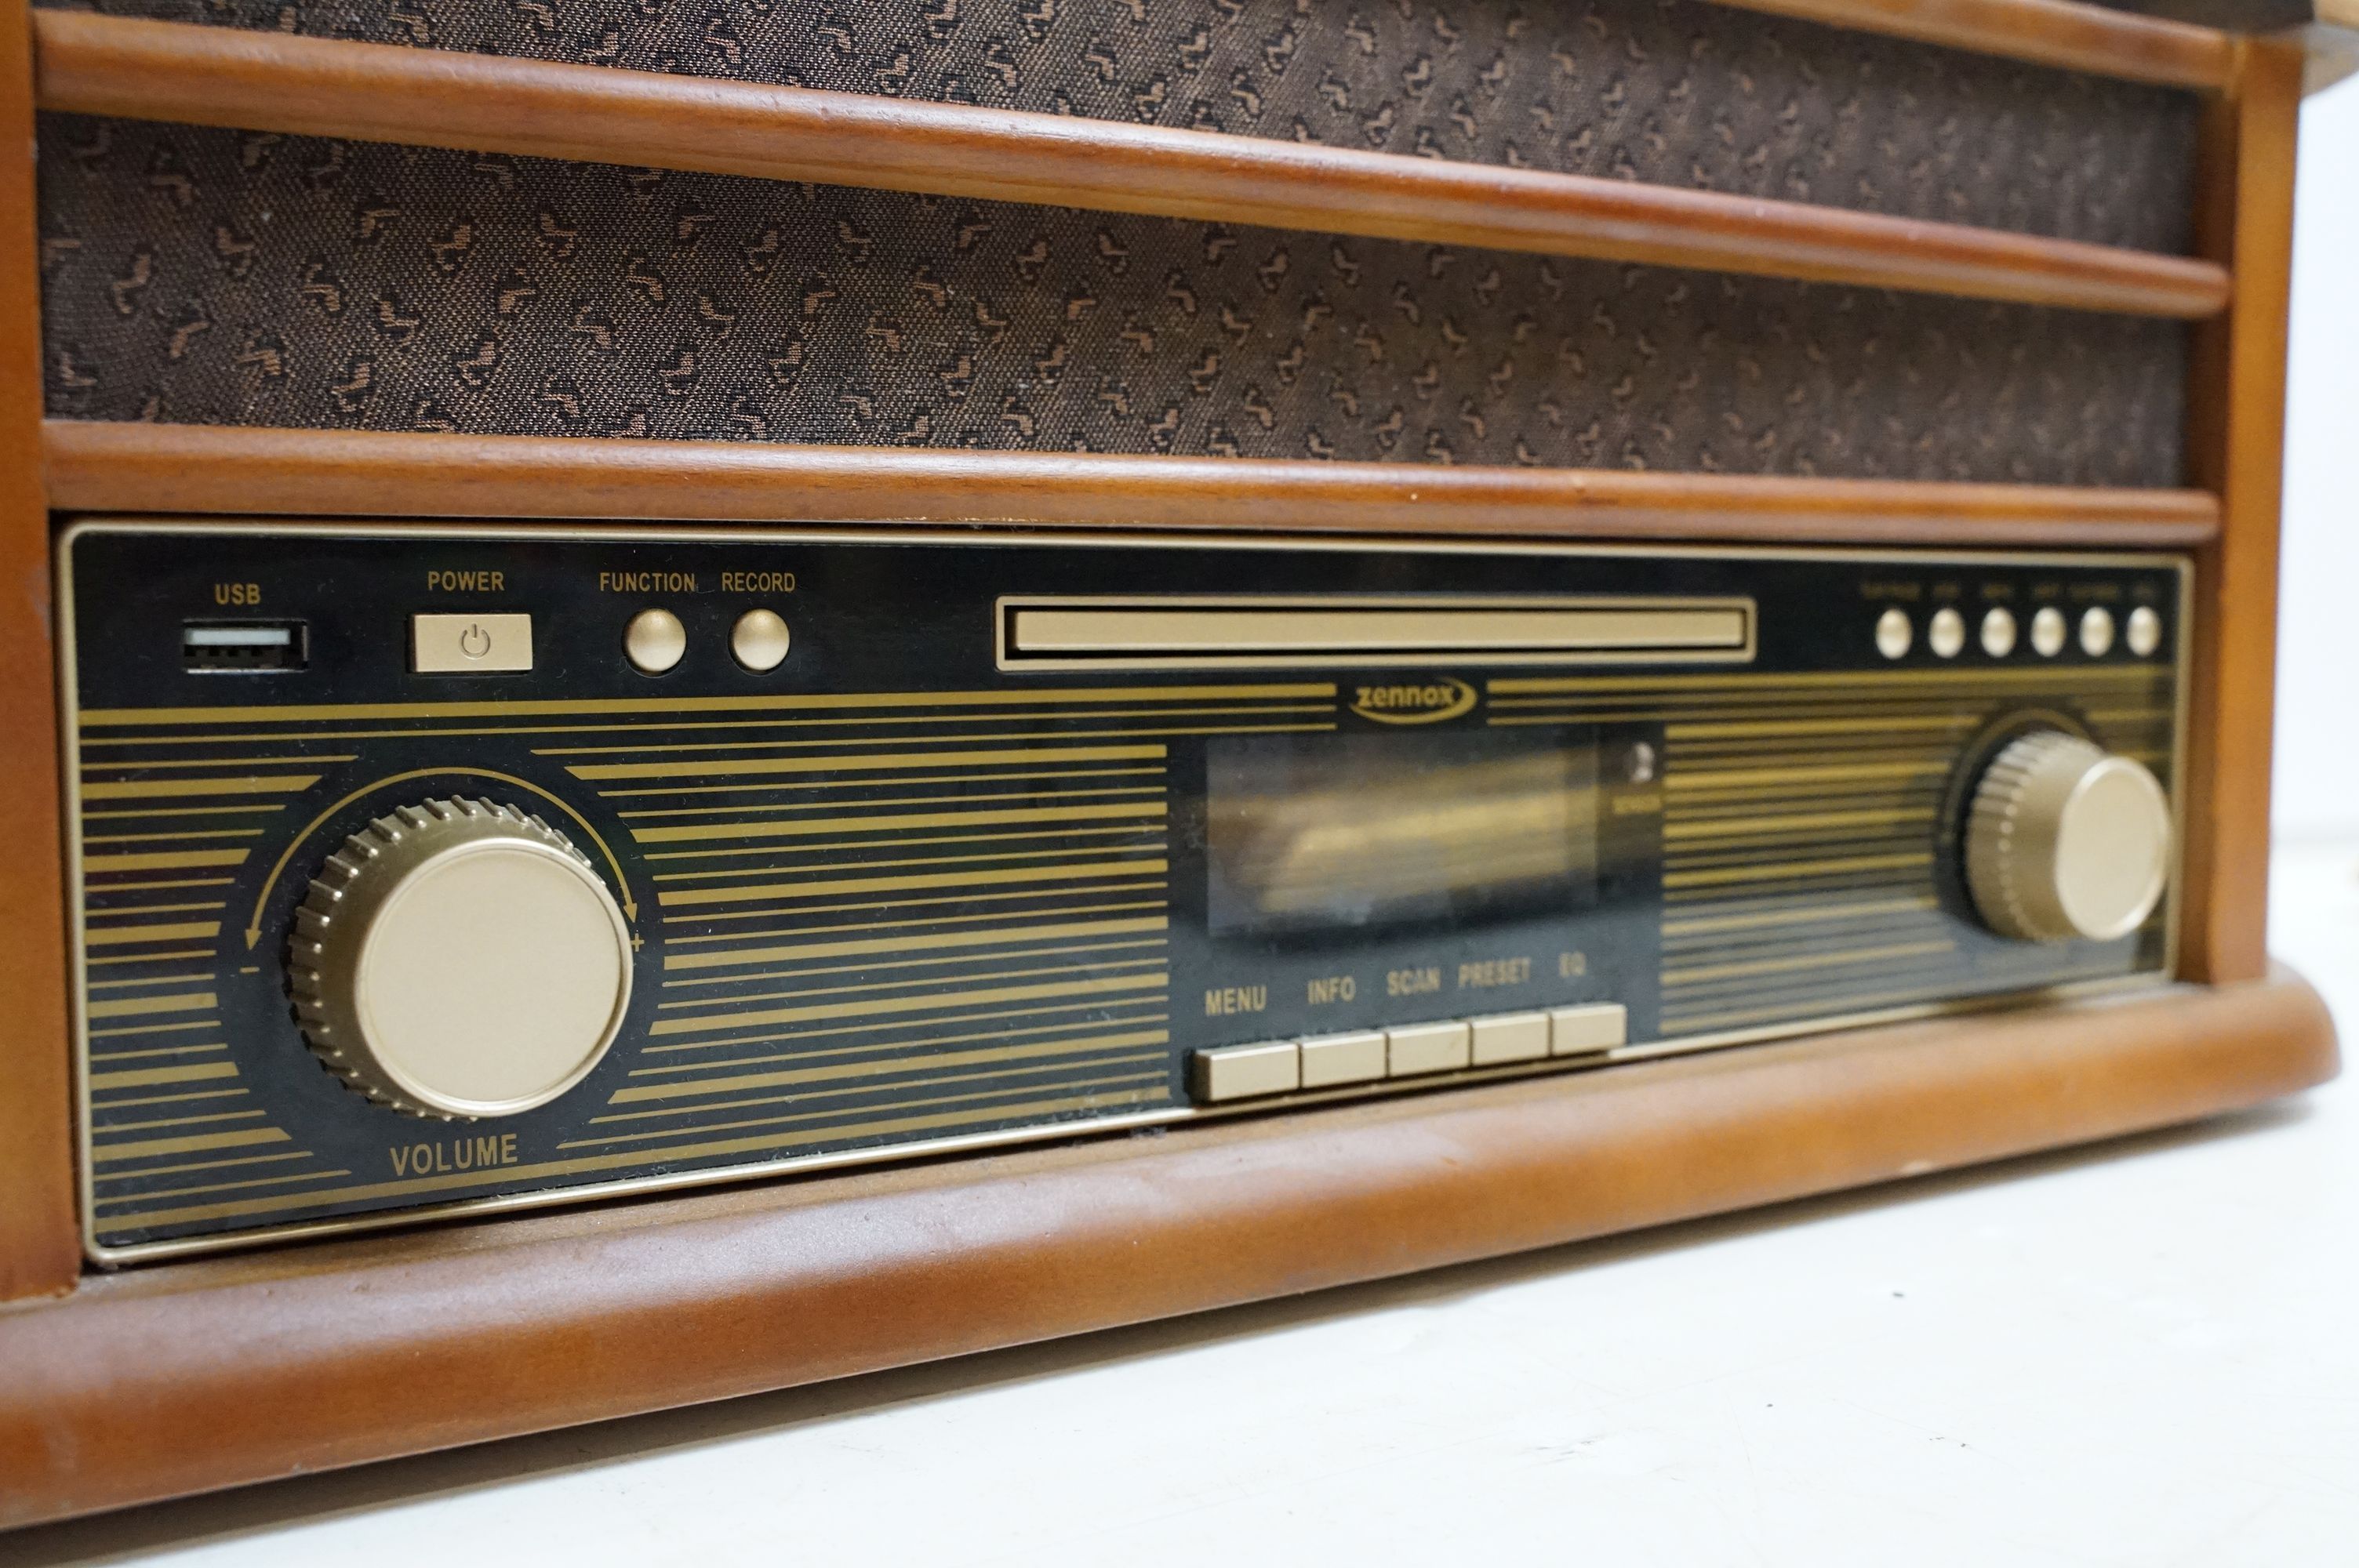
[(97, 467), (2059, 33), (194, 1376), (2236, 446), (39, 1251), (273, 81)]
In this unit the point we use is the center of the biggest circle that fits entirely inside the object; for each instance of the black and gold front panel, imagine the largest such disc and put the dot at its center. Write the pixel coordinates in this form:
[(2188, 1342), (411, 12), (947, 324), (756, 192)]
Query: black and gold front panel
[(1002, 831)]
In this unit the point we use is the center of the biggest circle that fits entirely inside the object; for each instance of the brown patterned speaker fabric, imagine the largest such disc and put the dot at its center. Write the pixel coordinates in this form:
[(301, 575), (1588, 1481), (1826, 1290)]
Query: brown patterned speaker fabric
[(221, 278), (1666, 92)]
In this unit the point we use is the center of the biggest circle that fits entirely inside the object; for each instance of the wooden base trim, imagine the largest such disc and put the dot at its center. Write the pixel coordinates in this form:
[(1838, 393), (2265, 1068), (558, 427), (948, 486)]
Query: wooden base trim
[(2057, 33), (189, 1377), (206, 469), (272, 81)]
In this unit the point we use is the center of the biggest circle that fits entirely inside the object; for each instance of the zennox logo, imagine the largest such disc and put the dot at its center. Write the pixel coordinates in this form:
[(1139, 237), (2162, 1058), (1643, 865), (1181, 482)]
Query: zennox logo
[(1417, 702)]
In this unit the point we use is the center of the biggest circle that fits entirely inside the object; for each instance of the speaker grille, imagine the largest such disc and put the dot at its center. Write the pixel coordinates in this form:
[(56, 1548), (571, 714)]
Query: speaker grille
[(221, 278), (1666, 92)]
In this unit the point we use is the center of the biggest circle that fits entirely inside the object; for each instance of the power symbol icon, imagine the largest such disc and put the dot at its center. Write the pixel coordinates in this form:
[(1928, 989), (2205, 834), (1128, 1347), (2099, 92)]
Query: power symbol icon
[(470, 644)]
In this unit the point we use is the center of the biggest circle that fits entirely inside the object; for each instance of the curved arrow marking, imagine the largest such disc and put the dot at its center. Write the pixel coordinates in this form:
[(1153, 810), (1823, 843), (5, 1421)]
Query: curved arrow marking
[(254, 924)]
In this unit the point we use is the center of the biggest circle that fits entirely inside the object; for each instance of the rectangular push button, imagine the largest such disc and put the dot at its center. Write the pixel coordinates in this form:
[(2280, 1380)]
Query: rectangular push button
[(470, 644), (1579, 1031), (1512, 1037), (1246, 1072), (1332, 1059), (1426, 1048)]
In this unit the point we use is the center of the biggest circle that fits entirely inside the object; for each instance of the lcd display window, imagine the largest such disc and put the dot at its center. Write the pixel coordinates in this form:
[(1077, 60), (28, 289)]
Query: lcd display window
[(1344, 834)]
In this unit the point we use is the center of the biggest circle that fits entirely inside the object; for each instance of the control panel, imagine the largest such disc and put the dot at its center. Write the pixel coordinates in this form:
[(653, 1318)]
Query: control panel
[(429, 871)]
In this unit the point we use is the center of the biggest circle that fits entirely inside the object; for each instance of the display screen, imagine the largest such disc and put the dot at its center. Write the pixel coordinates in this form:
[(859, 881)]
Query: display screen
[(1310, 835)]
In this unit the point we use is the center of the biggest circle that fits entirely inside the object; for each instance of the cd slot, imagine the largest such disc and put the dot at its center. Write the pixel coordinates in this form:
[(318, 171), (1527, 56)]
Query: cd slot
[(1184, 633)]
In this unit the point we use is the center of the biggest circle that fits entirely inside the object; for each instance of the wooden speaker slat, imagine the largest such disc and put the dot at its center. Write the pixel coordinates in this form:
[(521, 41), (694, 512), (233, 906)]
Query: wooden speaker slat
[(267, 82), (2059, 33), (95, 466)]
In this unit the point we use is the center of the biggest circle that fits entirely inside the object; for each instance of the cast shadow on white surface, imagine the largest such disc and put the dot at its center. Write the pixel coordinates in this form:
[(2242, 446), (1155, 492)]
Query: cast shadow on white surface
[(226, 1518)]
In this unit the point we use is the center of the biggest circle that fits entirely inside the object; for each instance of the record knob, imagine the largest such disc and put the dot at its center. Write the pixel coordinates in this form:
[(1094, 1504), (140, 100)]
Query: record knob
[(460, 958), (2065, 839)]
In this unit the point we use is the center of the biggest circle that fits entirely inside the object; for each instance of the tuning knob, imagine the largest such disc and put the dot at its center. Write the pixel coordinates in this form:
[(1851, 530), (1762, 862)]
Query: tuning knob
[(460, 959), (2064, 839)]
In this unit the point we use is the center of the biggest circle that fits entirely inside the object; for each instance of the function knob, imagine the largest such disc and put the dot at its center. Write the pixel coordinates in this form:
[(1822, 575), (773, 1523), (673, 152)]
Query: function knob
[(2066, 840), (459, 958)]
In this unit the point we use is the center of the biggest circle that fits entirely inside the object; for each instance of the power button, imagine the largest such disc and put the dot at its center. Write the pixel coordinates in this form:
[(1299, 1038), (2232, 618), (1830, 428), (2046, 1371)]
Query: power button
[(470, 644)]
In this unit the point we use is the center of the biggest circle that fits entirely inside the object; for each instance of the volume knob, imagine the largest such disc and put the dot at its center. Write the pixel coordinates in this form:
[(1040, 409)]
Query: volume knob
[(2066, 840), (460, 958)]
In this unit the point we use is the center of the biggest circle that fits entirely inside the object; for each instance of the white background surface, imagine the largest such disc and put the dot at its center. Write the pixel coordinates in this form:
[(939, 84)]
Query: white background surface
[(2318, 657), (2137, 1355)]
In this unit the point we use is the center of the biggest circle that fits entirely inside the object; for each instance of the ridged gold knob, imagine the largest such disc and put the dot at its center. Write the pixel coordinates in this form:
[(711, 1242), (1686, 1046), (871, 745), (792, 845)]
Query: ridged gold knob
[(2065, 840), (460, 958)]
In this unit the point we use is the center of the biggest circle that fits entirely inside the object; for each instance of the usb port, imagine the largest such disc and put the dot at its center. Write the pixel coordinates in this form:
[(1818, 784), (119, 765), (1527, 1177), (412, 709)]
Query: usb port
[(242, 647)]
